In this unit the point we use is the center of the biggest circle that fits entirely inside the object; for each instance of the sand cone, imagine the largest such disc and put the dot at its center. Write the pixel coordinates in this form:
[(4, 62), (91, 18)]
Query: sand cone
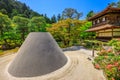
[(38, 55)]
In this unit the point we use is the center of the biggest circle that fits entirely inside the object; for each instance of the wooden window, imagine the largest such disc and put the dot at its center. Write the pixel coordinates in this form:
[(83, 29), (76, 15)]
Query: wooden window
[(103, 19), (93, 22), (118, 18), (98, 21)]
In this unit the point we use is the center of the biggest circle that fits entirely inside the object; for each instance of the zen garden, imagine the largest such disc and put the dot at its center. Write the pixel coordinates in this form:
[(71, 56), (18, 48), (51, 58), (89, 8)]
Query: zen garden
[(34, 46)]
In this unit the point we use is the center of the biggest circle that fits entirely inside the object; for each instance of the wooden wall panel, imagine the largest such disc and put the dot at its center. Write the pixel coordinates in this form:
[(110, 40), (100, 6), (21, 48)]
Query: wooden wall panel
[(116, 33), (116, 29)]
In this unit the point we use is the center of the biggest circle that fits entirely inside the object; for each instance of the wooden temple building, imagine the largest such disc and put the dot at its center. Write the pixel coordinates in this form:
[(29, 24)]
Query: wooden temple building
[(106, 24)]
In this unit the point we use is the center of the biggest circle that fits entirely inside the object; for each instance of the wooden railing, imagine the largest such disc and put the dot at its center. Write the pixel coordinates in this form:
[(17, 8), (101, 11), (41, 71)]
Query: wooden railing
[(101, 23), (105, 39), (115, 22)]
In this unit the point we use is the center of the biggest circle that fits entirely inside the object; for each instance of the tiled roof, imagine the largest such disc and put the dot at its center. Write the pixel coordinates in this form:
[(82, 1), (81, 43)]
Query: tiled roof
[(106, 26), (107, 10)]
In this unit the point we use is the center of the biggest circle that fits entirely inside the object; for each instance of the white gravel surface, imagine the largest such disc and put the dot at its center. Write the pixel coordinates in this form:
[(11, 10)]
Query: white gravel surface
[(78, 67)]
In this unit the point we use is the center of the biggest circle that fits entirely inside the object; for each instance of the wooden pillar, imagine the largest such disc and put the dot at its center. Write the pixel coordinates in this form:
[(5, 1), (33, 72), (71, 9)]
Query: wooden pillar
[(112, 32)]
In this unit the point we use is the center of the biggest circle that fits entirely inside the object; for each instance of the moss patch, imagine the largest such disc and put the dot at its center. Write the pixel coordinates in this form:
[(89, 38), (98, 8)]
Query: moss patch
[(8, 51)]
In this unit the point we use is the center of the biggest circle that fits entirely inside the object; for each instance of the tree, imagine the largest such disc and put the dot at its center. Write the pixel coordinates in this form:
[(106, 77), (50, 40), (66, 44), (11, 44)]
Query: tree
[(90, 14), (71, 13), (47, 19), (66, 31), (5, 27), (4, 23), (14, 7), (21, 25), (118, 4), (59, 17), (84, 34), (3, 11), (53, 19), (14, 12), (115, 4), (37, 24)]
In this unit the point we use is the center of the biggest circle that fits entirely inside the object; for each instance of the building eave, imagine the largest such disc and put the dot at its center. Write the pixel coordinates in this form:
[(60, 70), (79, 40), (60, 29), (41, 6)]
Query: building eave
[(102, 27), (105, 11)]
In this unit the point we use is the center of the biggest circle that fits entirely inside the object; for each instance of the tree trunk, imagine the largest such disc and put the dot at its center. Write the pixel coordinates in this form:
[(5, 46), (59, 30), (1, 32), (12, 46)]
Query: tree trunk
[(23, 36), (69, 31)]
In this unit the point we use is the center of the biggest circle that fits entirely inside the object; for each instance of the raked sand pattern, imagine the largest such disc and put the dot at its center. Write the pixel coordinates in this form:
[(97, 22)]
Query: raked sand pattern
[(78, 67)]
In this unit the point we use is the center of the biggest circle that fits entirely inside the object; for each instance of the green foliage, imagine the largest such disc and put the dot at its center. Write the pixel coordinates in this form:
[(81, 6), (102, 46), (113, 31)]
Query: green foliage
[(59, 17), (21, 25), (84, 34), (9, 39), (69, 32), (112, 42), (5, 28), (13, 32), (16, 21), (5, 23), (90, 44), (110, 65), (47, 19), (109, 61), (90, 14), (53, 19), (8, 36), (116, 45), (37, 24), (3, 11), (14, 8), (115, 4)]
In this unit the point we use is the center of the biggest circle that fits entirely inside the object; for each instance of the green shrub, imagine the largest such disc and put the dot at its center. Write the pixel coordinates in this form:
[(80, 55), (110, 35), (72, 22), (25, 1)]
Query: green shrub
[(112, 42), (97, 45), (110, 64), (116, 45), (111, 54)]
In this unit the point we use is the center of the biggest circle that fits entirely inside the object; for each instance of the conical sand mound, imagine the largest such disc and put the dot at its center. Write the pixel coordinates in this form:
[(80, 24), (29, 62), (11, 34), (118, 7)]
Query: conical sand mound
[(38, 55)]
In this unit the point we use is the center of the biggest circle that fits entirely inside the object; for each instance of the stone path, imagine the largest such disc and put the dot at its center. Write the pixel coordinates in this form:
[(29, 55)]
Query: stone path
[(77, 68)]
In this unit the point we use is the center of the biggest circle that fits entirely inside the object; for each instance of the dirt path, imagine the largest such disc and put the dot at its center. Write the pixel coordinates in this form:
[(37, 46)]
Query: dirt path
[(77, 68)]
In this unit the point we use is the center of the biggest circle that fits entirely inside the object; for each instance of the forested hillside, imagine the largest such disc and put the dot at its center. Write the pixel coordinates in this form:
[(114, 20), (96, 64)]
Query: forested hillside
[(16, 8)]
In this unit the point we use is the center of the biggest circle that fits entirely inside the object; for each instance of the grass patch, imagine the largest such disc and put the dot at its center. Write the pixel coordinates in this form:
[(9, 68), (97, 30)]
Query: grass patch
[(1, 52), (8, 51)]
